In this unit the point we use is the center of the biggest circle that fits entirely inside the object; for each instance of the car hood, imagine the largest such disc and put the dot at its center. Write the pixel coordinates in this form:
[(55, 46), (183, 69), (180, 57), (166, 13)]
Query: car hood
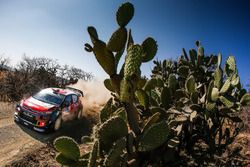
[(37, 105)]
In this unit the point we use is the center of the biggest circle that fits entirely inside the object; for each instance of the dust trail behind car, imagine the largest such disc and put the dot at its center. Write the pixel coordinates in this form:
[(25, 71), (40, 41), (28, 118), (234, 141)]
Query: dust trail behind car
[(95, 96)]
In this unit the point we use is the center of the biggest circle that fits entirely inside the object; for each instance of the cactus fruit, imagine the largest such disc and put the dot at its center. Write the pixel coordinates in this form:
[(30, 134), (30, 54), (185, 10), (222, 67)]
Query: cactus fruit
[(133, 61), (67, 147), (124, 14), (118, 40), (105, 57), (110, 131), (149, 49), (154, 137)]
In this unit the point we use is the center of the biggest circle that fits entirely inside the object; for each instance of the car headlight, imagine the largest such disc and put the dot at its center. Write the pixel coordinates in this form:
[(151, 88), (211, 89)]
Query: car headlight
[(18, 108)]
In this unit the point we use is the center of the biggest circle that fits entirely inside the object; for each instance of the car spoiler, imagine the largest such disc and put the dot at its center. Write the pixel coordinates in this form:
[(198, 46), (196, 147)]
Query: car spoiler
[(79, 92)]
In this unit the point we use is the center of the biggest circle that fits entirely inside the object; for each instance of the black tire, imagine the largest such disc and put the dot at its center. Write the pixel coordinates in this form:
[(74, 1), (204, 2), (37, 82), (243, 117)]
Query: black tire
[(57, 124), (79, 114)]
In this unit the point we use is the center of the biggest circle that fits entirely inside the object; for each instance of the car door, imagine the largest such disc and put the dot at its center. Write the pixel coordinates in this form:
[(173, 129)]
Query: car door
[(67, 108), (75, 104)]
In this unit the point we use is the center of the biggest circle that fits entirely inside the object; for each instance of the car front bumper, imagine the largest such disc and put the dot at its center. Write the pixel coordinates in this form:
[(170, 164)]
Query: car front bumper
[(29, 124)]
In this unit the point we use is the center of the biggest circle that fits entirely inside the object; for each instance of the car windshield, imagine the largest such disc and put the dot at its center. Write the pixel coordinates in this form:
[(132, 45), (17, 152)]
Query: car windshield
[(49, 97)]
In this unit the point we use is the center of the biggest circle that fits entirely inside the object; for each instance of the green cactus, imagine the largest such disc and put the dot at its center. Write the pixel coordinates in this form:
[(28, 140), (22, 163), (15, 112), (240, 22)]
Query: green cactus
[(114, 157), (118, 40), (230, 67), (124, 14), (214, 94), (166, 97), (110, 131), (142, 97), (245, 100), (105, 57), (218, 78), (133, 61), (154, 137), (108, 85), (151, 120), (106, 111), (126, 91), (183, 71), (149, 49), (63, 160), (225, 86), (94, 155), (226, 101), (190, 84), (182, 103), (68, 148), (172, 82)]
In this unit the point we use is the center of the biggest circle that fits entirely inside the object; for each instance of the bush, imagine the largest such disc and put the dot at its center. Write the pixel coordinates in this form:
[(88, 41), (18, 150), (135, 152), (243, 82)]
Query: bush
[(33, 74)]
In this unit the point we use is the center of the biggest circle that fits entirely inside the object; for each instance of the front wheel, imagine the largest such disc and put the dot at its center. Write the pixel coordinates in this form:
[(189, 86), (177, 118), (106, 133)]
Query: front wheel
[(79, 115), (58, 123)]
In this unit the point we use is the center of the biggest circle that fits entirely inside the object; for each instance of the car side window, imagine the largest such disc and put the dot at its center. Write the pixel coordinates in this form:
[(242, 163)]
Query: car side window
[(68, 100), (74, 98)]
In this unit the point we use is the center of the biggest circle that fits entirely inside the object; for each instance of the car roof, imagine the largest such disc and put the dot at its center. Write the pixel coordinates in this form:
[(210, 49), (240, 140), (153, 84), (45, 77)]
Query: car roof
[(60, 91)]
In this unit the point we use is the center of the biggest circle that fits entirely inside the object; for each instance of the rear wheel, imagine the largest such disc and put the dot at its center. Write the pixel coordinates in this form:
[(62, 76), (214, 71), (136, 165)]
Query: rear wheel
[(58, 123)]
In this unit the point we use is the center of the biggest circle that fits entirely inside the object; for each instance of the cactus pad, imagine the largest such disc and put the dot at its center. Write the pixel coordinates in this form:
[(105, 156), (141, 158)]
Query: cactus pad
[(68, 147), (118, 40), (110, 131), (149, 49), (104, 57), (114, 157), (124, 14), (154, 137)]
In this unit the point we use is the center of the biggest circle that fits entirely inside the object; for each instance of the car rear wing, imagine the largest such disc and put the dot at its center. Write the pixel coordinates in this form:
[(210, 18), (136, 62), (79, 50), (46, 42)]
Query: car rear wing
[(77, 91)]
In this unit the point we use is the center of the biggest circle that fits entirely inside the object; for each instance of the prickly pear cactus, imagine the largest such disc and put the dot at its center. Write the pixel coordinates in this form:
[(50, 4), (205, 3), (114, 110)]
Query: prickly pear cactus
[(148, 121)]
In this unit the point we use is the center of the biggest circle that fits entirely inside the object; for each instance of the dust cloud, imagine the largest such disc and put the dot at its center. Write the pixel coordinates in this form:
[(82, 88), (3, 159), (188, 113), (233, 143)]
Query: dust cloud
[(95, 96)]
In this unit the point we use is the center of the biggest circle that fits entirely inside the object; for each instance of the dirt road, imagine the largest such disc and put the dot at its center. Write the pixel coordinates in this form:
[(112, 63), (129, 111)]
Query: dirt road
[(16, 140)]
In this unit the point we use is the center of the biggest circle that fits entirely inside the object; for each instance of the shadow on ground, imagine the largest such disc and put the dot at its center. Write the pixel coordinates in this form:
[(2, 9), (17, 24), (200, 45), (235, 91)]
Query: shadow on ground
[(75, 129)]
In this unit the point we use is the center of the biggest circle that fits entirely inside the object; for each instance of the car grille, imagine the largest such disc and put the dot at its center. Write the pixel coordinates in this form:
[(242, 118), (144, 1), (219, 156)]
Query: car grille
[(28, 116)]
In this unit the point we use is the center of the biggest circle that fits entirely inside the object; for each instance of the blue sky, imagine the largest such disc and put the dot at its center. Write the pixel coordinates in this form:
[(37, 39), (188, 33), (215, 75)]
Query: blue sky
[(57, 29)]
